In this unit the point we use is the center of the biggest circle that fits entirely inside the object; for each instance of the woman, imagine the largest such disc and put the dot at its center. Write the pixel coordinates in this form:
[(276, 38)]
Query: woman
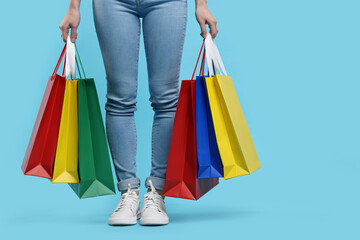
[(117, 24)]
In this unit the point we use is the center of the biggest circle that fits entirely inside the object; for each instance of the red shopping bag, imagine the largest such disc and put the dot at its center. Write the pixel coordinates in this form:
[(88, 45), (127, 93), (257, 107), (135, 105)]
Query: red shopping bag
[(40, 153), (181, 179)]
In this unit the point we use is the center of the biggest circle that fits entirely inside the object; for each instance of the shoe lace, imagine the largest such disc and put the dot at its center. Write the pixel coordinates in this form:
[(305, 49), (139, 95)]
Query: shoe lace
[(152, 199), (129, 198)]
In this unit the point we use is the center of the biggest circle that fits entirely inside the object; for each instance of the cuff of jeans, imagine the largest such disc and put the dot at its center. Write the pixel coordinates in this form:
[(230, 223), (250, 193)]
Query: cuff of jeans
[(156, 181), (124, 184)]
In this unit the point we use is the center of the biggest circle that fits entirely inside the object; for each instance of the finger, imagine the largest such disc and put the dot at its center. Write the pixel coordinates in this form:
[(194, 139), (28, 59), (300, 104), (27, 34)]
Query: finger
[(73, 34), (217, 31), (64, 32), (64, 35), (203, 29), (213, 30)]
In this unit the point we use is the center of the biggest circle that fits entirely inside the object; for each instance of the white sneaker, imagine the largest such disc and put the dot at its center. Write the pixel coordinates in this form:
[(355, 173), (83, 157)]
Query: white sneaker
[(127, 212), (153, 211)]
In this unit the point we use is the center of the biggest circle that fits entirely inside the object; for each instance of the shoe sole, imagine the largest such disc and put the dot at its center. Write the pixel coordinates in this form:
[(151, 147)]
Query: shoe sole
[(123, 221), (153, 222)]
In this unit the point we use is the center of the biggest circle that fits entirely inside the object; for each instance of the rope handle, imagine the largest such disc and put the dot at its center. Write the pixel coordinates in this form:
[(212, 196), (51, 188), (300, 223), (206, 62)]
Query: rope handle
[(77, 62), (59, 62), (202, 64), (202, 46)]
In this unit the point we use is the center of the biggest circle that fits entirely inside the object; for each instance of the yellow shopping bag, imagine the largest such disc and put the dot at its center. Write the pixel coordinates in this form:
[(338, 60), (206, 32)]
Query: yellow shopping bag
[(235, 144), (67, 151), (236, 147)]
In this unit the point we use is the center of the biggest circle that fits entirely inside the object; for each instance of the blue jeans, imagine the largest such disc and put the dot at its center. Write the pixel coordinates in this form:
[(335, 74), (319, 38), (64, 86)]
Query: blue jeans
[(117, 24)]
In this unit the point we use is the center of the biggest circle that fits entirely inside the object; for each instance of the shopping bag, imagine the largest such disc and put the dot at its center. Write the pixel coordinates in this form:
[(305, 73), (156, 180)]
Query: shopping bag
[(208, 155), (95, 171), (181, 179), (237, 150), (40, 153), (67, 151)]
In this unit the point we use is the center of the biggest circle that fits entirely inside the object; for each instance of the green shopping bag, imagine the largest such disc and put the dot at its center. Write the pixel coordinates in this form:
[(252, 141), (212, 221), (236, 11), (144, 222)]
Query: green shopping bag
[(95, 171)]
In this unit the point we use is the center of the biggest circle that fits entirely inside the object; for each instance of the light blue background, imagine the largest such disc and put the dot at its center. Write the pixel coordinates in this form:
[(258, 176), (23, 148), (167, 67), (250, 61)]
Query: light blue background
[(295, 66)]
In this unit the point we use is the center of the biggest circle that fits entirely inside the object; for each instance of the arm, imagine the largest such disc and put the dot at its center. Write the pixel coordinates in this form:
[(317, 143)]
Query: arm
[(71, 20), (204, 16)]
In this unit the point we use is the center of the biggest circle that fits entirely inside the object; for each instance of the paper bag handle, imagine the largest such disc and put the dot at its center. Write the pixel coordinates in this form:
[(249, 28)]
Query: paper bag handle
[(213, 57)]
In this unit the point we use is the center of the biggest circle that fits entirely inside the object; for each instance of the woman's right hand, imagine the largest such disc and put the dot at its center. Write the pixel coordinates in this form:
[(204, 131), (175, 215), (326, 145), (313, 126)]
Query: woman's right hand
[(71, 20)]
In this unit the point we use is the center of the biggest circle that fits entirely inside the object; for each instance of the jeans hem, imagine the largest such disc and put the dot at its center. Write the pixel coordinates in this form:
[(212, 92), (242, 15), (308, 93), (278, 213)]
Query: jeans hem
[(124, 184), (156, 181)]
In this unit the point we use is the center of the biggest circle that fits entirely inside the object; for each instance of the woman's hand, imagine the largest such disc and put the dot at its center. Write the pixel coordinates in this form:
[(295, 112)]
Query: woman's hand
[(204, 16), (71, 20)]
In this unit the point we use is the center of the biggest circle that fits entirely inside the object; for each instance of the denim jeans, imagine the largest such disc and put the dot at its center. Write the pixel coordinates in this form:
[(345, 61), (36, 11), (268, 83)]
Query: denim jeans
[(117, 24)]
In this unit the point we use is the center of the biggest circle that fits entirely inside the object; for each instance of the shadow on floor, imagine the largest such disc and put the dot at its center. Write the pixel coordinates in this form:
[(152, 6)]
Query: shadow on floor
[(44, 218), (209, 215)]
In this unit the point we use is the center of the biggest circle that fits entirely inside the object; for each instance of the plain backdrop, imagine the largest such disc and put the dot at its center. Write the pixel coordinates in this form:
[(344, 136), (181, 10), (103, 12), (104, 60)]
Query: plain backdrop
[(295, 65)]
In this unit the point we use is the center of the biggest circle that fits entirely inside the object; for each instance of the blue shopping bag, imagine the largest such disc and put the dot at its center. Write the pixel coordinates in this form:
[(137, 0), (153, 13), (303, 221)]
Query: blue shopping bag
[(210, 165), (209, 161)]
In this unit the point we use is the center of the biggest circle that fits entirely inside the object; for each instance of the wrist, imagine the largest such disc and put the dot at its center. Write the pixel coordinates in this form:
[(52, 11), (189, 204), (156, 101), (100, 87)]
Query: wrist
[(200, 3), (74, 10), (74, 5)]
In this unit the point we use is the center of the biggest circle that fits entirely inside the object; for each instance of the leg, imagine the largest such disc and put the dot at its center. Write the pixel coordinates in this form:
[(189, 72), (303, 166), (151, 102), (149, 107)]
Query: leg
[(118, 30), (164, 25)]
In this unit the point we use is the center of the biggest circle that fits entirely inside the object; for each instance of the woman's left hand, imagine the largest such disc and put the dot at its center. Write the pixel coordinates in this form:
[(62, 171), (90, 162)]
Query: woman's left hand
[(204, 16)]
